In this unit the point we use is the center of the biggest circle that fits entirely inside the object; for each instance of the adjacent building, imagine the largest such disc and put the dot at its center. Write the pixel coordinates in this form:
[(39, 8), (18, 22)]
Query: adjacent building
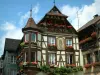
[(9, 56), (89, 40), (53, 41), (1, 66)]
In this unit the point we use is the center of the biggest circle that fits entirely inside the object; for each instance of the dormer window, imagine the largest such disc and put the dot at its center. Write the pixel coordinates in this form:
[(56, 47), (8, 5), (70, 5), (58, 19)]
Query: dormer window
[(51, 40), (26, 37), (33, 37), (68, 42)]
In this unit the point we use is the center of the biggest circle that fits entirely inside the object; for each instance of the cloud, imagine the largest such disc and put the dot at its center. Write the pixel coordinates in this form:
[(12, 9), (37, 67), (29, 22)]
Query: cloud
[(85, 13), (36, 9), (7, 26), (11, 31), (24, 17)]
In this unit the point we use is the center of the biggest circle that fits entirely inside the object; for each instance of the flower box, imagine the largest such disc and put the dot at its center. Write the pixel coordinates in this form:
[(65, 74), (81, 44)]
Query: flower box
[(25, 64), (93, 34), (70, 65), (52, 47), (85, 40), (96, 64), (69, 47), (87, 65)]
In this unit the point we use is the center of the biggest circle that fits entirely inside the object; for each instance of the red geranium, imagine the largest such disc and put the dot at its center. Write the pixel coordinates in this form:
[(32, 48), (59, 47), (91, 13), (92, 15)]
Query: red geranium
[(87, 65), (34, 62)]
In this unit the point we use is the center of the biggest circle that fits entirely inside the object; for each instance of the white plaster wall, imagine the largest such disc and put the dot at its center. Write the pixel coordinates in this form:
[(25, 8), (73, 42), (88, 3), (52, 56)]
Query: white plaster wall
[(43, 51), (63, 52), (58, 57), (81, 58), (39, 55), (44, 57), (73, 40), (63, 57), (45, 38), (58, 52)]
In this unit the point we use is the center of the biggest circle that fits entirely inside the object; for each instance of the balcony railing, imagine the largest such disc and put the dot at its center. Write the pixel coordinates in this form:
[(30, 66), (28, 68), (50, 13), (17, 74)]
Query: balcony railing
[(90, 45), (93, 35)]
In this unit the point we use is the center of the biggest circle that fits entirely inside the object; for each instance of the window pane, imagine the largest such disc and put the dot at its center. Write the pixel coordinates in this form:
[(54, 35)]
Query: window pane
[(33, 56), (52, 58), (51, 41), (69, 58), (69, 42), (33, 38), (26, 37)]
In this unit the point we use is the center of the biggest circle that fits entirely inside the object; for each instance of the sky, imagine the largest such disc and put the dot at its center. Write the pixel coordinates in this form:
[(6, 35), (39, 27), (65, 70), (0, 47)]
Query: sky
[(15, 13)]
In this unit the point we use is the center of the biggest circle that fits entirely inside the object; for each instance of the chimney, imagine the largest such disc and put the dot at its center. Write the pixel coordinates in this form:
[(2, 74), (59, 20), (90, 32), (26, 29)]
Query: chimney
[(96, 15)]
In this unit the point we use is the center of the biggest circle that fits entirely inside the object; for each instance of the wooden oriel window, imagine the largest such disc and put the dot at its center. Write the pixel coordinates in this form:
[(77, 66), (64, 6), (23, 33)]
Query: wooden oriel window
[(68, 42), (52, 57), (51, 40), (26, 37), (33, 37)]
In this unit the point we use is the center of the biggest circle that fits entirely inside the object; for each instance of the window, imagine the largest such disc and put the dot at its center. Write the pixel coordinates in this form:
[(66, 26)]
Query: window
[(51, 40), (96, 56), (69, 58), (26, 37), (13, 60), (68, 42), (33, 37), (52, 58), (33, 56), (89, 58), (13, 72)]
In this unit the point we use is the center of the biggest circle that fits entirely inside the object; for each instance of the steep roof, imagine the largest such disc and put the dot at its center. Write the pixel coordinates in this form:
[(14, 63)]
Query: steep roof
[(91, 22), (11, 44), (30, 25), (56, 11)]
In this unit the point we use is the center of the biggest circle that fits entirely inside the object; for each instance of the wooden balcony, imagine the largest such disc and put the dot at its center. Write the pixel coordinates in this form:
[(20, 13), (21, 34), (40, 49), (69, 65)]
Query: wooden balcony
[(90, 45)]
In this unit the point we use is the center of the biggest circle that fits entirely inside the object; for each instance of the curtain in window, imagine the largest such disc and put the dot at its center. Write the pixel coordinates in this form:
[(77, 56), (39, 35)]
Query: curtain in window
[(69, 59), (52, 58), (51, 40), (26, 37)]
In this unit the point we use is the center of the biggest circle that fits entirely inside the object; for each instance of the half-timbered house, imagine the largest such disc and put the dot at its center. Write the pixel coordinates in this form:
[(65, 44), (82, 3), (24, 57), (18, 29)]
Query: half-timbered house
[(53, 41)]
